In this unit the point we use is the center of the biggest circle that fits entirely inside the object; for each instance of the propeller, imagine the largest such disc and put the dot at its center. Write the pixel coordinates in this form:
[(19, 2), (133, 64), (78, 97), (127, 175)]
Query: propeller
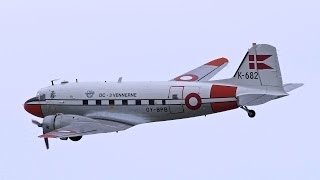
[(36, 123), (46, 140)]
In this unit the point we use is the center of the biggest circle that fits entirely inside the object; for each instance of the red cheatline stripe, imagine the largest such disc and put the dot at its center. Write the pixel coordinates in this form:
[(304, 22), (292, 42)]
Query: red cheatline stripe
[(223, 106), (219, 91)]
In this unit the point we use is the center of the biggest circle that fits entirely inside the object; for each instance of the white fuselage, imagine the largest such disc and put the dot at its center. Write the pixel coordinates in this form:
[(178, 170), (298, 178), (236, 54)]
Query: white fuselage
[(145, 101)]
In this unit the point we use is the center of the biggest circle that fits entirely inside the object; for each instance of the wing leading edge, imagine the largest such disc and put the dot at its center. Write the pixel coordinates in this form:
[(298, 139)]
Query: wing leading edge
[(88, 127), (204, 72)]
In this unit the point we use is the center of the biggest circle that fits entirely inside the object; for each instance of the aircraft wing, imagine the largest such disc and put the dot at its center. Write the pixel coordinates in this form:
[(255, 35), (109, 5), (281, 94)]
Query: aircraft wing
[(81, 128), (204, 72)]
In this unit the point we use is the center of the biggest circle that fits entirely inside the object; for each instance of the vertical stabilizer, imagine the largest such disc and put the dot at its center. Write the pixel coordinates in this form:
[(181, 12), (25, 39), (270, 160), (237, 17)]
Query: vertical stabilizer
[(260, 67)]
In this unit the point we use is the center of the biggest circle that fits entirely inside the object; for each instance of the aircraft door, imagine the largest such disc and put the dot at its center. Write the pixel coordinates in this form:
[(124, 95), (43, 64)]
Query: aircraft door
[(176, 97)]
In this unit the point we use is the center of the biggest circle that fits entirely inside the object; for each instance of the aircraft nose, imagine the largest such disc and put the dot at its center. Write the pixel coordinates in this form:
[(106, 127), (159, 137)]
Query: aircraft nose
[(33, 107)]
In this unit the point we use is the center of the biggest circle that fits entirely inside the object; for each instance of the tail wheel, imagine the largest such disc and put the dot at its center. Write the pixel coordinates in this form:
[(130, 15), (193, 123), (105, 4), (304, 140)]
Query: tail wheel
[(251, 113), (77, 138)]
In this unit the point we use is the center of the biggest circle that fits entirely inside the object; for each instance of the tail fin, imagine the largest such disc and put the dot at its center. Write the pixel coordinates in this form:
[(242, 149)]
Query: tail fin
[(258, 78), (260, 67)]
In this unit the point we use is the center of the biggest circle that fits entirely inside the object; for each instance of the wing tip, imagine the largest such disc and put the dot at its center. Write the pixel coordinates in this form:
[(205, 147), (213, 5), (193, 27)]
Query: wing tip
[(47, 136), (218, 62)]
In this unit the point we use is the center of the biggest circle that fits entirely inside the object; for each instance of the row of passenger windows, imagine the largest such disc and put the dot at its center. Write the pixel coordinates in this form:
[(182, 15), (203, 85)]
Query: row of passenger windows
[(124, 102)]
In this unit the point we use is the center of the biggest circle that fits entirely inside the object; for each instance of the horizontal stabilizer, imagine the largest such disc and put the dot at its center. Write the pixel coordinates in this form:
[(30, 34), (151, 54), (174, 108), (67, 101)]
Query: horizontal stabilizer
[(291, 86)]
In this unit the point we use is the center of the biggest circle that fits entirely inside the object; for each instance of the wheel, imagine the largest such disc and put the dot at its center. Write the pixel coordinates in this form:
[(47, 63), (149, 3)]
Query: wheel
[(251, 113), (77, 138)]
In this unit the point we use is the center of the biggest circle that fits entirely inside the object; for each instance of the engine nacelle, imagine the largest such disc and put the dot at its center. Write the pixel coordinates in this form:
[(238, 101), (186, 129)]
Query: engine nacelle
[(53, 122)]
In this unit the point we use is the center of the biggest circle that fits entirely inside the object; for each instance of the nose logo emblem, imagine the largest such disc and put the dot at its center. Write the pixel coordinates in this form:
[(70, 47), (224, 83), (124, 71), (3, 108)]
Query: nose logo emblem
[(52, 95), (89, 93)]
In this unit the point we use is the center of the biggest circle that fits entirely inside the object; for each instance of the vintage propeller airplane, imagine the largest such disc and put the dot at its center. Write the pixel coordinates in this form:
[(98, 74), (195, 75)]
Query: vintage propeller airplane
[(72, 110)]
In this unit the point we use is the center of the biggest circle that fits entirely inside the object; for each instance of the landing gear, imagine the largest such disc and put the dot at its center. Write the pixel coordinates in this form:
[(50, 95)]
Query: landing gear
[(251, 113), (77, 138)]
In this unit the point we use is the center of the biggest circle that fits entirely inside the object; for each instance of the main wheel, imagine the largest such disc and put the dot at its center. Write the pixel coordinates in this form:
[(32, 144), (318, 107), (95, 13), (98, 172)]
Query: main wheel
[(251, 113), (77, 138)]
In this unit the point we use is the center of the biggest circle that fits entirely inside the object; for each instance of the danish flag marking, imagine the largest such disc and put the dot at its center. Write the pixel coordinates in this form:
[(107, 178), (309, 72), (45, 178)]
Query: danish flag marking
[(260, 64)]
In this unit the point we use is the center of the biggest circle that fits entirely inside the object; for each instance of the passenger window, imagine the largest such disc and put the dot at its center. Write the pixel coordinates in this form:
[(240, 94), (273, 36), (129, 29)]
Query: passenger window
[(175, 96), (138, 102), (85, 102), (124, 102), (151, 102), (98, 102), (111, 102)]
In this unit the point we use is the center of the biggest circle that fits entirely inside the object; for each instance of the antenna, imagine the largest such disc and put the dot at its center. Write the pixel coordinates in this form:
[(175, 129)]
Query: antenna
[(52, 81), (120, 80)]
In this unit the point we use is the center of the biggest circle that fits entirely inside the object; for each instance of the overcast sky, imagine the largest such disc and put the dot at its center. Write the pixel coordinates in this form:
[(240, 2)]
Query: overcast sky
[(155, 41)]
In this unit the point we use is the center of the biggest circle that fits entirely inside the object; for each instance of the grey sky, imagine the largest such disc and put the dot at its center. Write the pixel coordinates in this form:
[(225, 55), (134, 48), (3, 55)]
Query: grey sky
[(153, 41)]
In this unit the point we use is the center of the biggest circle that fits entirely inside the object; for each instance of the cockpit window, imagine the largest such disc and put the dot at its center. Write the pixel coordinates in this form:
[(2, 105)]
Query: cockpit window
[(42, 97)]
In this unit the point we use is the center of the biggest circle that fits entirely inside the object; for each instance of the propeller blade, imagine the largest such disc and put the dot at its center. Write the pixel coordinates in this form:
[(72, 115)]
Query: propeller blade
[(46, 141), (37, 123)]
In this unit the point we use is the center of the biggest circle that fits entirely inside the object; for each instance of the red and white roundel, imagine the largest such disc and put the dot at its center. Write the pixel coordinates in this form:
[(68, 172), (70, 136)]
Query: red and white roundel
[(187, 77), (193, 101)]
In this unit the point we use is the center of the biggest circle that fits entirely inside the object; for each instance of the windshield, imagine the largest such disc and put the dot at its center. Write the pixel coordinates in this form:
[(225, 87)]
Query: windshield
[(41, 96)]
